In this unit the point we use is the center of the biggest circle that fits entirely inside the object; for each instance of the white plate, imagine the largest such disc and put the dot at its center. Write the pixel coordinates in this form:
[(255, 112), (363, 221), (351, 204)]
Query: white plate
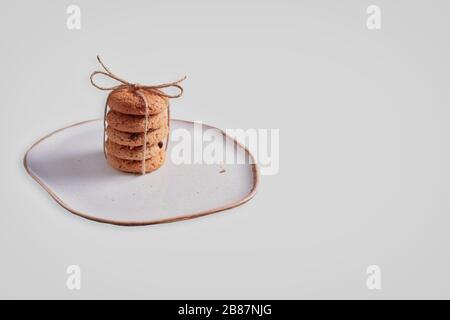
[(69, 164)]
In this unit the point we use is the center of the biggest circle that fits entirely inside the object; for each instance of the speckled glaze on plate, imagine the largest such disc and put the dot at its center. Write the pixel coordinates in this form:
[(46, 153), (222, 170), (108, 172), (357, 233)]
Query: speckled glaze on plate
[(69, 164)]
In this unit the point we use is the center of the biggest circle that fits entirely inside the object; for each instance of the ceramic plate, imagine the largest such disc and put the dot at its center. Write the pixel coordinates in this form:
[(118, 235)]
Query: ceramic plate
[(69, 164)]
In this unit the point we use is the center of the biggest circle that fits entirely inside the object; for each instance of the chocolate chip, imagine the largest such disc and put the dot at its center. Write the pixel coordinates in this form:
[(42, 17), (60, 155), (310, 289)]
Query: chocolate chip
[(160, 144), (134, 136)]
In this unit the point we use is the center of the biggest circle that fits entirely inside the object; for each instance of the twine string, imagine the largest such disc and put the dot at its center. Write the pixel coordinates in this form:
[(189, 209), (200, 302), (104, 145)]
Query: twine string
[(144, 147), (139, 89)]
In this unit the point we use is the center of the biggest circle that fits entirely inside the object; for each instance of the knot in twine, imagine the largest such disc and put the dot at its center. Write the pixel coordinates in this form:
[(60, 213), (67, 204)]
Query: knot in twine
[(138, 89)]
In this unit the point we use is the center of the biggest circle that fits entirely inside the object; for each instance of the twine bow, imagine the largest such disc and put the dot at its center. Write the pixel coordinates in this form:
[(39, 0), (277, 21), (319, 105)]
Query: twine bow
[(138, 88)]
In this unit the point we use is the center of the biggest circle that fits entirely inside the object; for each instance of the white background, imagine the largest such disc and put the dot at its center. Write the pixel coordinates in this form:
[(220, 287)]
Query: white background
[(364, 147)]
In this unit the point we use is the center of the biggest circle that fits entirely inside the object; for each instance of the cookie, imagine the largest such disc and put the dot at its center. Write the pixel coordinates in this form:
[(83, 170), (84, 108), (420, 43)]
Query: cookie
[(132, 153), (135, 166), (126, 100), (134, 139), (132, 123)]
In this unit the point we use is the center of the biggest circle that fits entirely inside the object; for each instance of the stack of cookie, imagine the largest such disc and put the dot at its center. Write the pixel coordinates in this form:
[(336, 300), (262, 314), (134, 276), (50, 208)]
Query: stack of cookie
[(130, 126)]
